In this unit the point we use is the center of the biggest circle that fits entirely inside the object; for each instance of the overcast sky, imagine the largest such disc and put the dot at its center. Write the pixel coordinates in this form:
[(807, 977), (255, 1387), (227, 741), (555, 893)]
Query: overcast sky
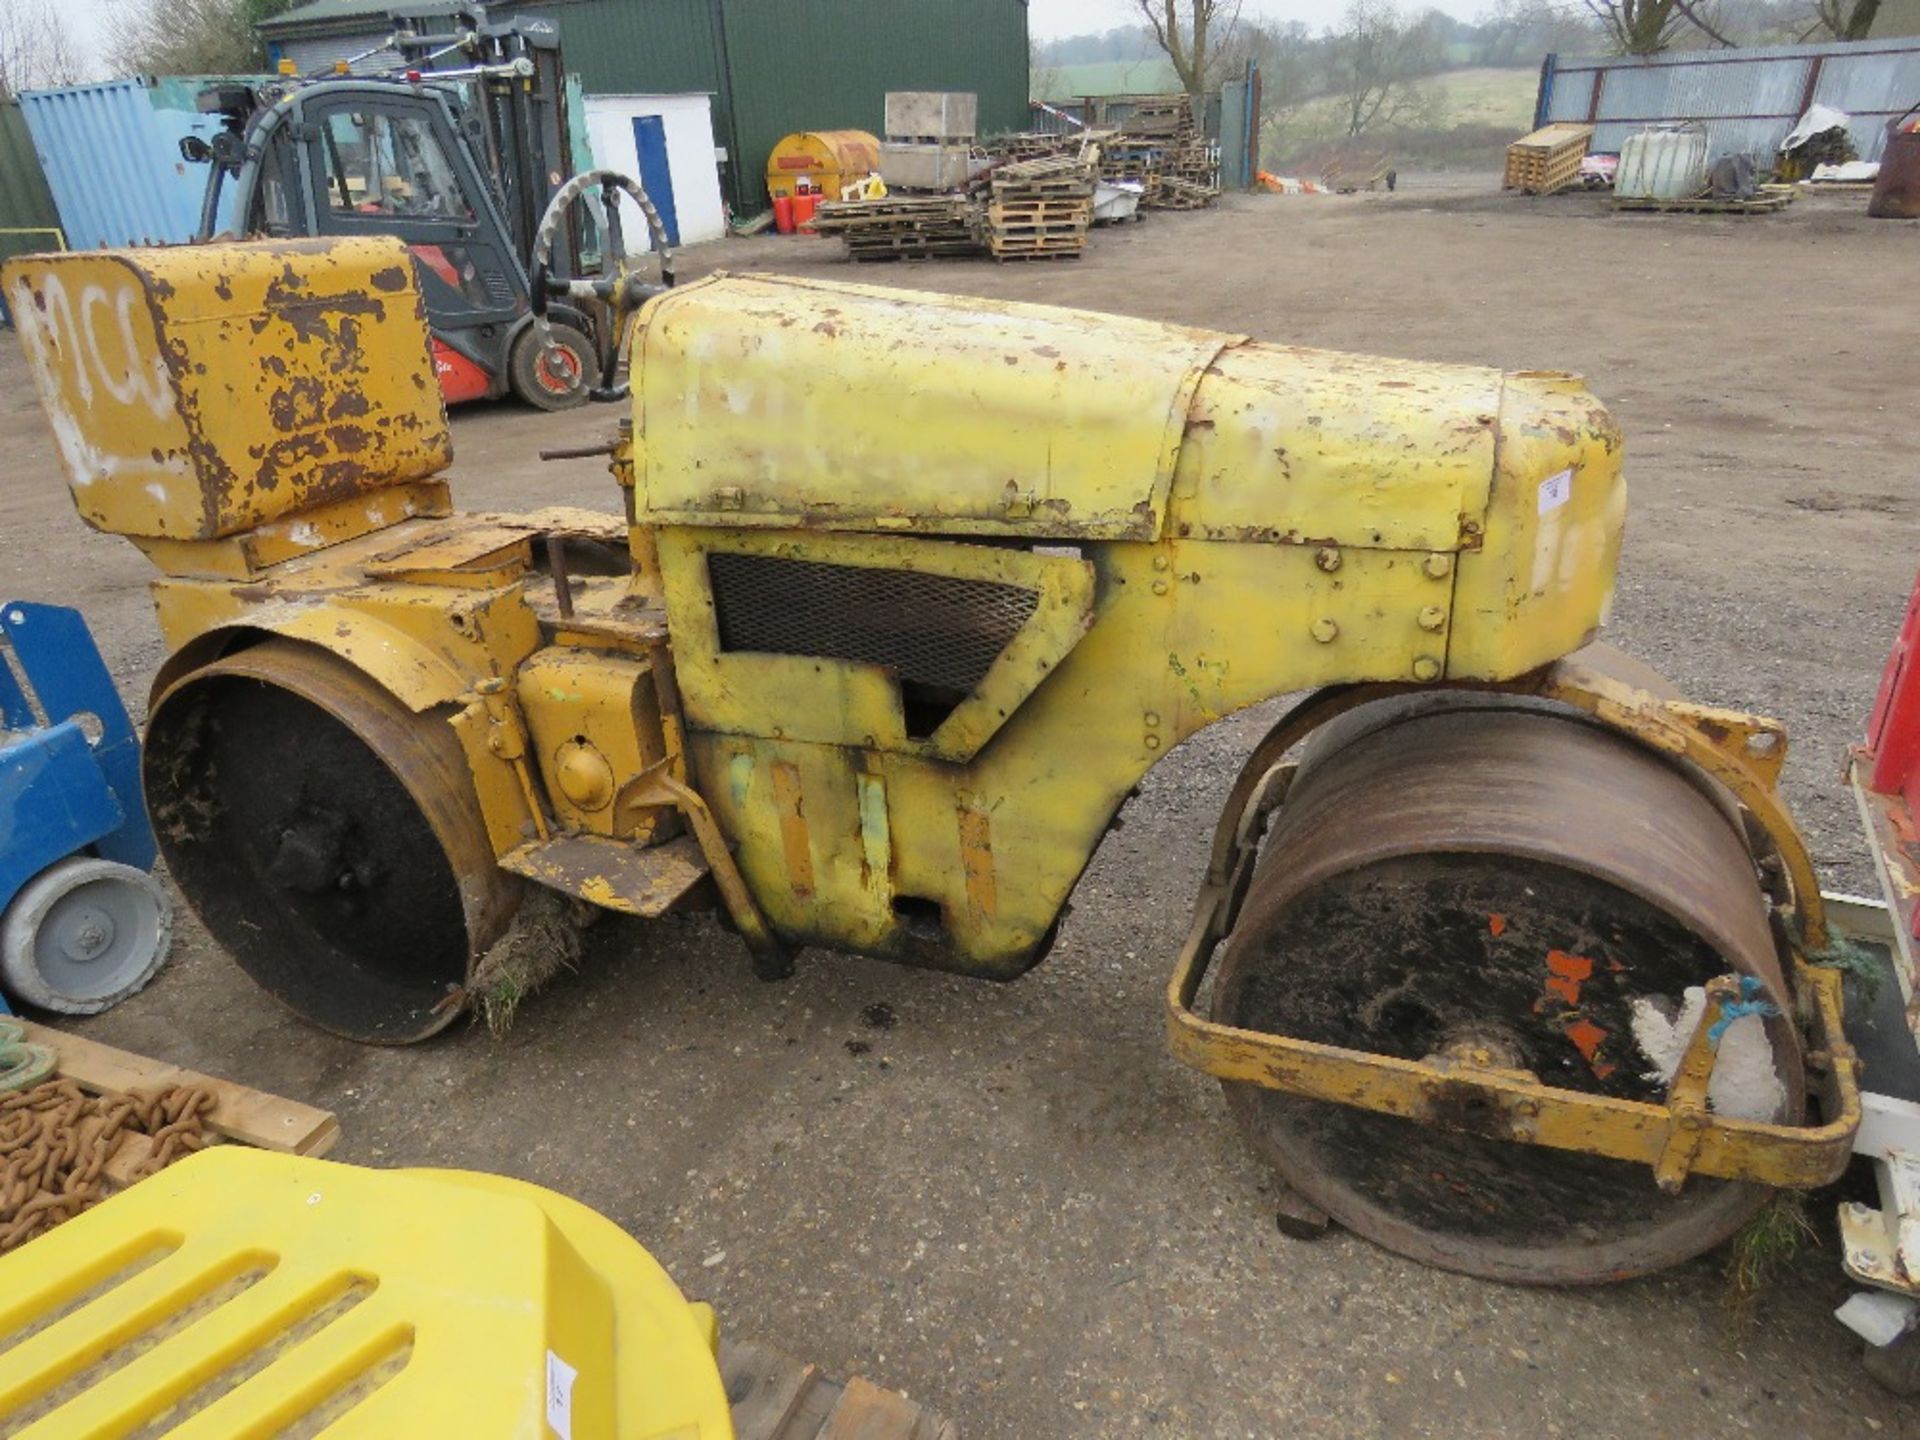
[(1050, 19)]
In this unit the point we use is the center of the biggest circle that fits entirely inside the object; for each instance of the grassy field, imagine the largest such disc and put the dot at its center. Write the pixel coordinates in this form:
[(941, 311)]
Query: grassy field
[(1474, 114), (1105, 77)]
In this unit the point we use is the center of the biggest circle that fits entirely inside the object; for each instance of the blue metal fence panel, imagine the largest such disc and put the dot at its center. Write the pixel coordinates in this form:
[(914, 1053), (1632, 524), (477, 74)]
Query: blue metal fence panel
[(111, 153), (1747, 99)]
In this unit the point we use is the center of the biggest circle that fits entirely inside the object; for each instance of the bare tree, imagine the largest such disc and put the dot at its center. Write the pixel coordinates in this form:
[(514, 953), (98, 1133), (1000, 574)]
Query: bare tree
[(1646, 27), (1376, 60), (1194, 33), (1519, 32), (189, 37), (1844, 19), (36, 49)]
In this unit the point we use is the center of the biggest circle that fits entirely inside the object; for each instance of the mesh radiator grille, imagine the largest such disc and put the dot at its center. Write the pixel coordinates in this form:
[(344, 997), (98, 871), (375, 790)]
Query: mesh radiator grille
[(939, 631)]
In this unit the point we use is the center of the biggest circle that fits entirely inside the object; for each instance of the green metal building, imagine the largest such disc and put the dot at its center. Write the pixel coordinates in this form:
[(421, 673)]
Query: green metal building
[(28, 221), (772, 66)]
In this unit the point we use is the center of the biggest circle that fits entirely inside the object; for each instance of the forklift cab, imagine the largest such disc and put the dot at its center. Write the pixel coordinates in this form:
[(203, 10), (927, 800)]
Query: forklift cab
[(388, 157)]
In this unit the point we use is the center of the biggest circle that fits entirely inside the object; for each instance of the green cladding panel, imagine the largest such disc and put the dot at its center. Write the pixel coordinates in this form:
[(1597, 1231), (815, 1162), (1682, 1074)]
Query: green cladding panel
[(828, 64), (25, 202), (635, 47)]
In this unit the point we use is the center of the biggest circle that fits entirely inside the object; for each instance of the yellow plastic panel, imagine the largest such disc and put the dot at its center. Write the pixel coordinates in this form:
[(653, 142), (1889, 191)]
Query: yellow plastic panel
[(242, 1293), (196, 391), (1313, 447), (1541, 583), (761, 400)]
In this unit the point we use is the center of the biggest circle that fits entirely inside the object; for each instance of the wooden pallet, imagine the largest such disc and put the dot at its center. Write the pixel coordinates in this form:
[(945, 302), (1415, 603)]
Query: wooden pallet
[(1050, 169), (1174, 193), (1031, 145), (1006, 210), (1039, 190), (1014, 250), (903, 227), (776, 1397), (1169, 115), (1548, 160), (881, 253), (1770, 200)]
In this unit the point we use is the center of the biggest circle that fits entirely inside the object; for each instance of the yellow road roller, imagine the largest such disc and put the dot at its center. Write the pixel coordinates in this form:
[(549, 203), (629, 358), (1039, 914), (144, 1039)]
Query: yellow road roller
[(1505, 953)]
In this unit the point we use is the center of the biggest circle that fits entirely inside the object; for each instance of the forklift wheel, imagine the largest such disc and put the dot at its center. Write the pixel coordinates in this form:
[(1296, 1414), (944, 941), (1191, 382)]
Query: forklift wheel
[(554, 377)]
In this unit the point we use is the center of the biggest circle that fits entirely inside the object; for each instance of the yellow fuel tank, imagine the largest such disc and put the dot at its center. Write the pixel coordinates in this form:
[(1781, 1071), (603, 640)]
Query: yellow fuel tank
[(825, 159)]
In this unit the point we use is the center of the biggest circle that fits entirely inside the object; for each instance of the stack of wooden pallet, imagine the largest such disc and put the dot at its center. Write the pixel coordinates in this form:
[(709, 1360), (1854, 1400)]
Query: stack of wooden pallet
[(1031, 145), (903, 227), (1163, 115), (1548, 160), (1176, 192), (1041, 209), (1131, 161), (1183, 171)]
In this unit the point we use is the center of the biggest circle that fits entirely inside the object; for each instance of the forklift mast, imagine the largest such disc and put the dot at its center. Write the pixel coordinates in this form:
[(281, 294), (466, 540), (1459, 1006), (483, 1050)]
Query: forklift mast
[(517, 115), (455, 146)]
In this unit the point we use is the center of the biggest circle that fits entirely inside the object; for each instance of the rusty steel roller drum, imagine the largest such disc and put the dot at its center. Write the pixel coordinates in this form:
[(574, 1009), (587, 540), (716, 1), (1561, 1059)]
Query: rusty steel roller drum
[(328, 839), (1495, 881)]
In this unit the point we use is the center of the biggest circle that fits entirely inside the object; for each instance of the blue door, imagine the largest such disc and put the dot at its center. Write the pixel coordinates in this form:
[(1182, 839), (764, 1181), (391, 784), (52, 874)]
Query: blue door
[(650, 143)]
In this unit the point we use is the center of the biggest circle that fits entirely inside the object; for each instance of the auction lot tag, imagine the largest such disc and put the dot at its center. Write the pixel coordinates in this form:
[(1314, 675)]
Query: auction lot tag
[(1555, 491), (560, 1378)]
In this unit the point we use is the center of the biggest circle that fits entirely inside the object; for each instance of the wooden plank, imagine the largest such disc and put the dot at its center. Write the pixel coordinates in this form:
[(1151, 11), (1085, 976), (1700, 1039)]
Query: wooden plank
[(123, 1165), (1764, 204), (239, 1113), (815, 1406), (765, 1388), (866, 1412), (776, 1397)]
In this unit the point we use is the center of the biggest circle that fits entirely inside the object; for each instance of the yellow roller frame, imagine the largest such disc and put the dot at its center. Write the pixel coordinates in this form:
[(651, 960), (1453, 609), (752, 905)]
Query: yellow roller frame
[(1681, 1137)]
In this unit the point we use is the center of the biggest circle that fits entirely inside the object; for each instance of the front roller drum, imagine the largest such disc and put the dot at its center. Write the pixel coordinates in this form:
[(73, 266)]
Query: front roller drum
[(327, 837), (1511, 887)]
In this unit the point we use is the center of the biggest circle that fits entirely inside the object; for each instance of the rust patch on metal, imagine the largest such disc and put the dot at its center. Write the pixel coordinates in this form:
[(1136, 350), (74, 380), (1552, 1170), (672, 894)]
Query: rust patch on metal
[(976, 861), (790, 804)]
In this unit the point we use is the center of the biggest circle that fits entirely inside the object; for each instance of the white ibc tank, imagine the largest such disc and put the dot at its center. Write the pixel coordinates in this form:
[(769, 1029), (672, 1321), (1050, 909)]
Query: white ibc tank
[(1664, 163)]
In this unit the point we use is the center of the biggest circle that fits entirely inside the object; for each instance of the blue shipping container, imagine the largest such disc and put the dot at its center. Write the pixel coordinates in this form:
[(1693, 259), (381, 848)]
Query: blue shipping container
[(111, 153)]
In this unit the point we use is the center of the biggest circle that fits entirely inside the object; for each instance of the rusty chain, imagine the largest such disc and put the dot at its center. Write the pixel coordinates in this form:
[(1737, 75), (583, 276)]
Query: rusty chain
[(56, 1141)]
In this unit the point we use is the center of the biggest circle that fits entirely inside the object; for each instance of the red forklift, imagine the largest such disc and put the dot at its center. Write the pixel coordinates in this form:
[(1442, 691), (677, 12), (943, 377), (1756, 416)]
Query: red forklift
[(456, 146)]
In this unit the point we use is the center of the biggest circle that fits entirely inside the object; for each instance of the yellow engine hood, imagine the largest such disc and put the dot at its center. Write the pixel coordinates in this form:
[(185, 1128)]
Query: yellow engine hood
[(788, 403)]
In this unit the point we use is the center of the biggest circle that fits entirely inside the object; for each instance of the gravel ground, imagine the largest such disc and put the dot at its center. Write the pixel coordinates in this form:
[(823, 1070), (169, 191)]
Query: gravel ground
[(1007, 1199)]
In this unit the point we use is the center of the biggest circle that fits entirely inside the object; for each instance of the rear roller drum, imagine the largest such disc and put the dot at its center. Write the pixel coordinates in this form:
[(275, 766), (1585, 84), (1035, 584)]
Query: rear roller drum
[(328, 838), (1515, 888)]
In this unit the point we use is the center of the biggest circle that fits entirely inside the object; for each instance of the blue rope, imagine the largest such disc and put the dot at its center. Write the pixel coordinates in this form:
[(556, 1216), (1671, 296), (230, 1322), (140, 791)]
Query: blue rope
[(1749, 1003)]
